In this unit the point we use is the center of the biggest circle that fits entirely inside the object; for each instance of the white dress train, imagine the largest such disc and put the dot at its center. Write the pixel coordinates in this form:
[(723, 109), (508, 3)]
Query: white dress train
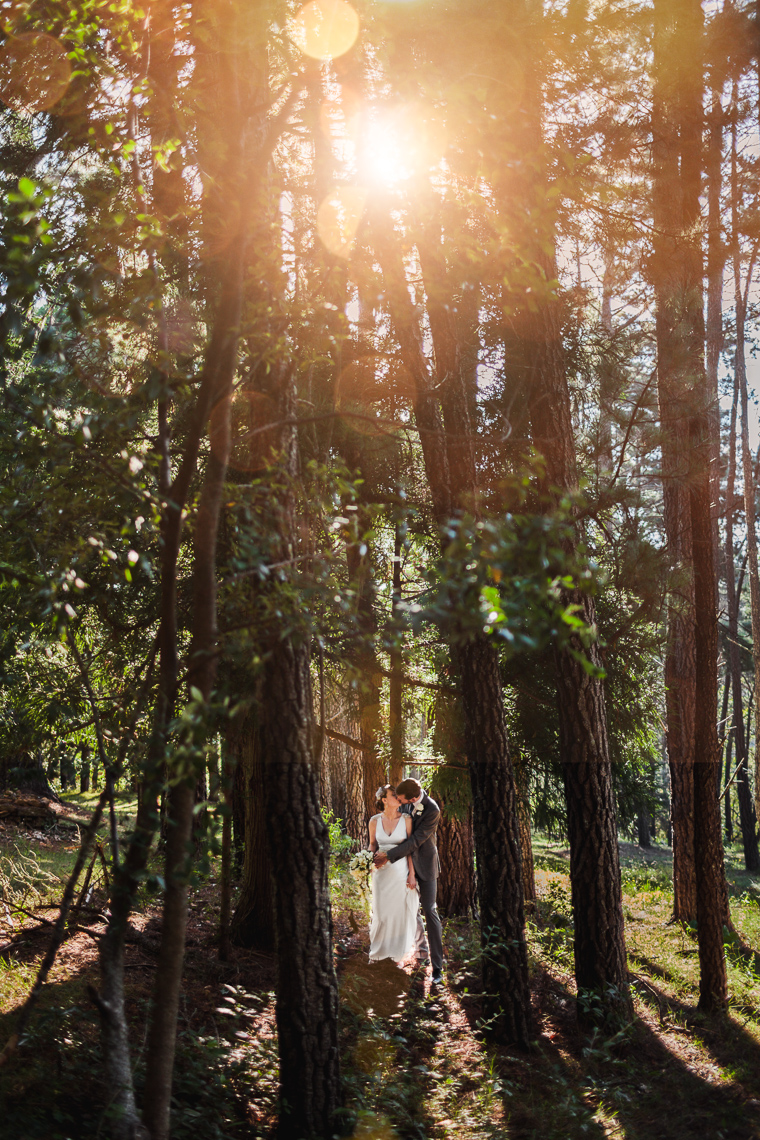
[(394, 906)]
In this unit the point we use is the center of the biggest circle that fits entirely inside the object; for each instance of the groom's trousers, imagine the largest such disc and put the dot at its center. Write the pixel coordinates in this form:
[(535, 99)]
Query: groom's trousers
[(428, 890)]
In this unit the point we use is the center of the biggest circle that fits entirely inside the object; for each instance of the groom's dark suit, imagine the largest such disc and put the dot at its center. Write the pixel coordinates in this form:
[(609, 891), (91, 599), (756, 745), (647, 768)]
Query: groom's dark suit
[(422, 847)]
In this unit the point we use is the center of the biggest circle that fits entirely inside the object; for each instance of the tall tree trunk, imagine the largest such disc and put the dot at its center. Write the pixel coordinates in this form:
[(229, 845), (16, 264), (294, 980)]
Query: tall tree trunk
[(396, 692), (497, 842), (456, 885), (307, 988), (201, 676), (526, 843), (584, 752), (674, 394), (600, 962), (716, 257), (307, 991), (355, 798), (746, 814), (84, 768), (449, 466), (712, 896), (450, 788), (711, 886), (746, 810), (253, 921), (728, 820)]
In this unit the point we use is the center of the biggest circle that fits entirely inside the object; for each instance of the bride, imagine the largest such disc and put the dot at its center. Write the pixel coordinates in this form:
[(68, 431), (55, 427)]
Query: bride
[(394, 896)]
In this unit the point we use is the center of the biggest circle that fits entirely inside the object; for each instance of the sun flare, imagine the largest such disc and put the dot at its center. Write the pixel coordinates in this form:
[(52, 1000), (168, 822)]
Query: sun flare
[(387, 156)]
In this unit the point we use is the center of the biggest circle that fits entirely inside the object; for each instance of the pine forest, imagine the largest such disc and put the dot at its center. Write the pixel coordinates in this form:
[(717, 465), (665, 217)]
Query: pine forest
[(379, 578)]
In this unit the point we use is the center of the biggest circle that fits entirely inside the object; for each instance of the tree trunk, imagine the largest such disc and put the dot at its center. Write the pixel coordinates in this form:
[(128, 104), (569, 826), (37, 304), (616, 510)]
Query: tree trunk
[(674, 398), (526, 843), (449, 466), (253, 921), (728, 820), (716, 257), (225, 877), (600, 957), (600, 960), (711, 886), (746, 811), (712, 896), (84, 768), (523, 197), (396, 692), (497, 842), (456, 886), (307, 991), (643, 829), (238, 819), (182, 795)]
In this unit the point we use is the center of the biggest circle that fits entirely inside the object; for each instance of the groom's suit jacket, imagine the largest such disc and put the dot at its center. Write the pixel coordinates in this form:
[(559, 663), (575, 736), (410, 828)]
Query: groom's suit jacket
[(421, 843)]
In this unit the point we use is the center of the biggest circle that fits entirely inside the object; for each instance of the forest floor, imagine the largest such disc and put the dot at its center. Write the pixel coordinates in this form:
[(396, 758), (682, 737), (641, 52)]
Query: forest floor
[(417, 1063)]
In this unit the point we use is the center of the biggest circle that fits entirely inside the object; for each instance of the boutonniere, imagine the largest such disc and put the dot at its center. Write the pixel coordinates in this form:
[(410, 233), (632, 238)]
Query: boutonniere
[(418, 808)]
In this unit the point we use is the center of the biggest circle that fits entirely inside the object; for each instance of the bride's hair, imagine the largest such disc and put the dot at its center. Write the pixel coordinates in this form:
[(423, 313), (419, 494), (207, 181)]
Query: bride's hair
[(380, 795)]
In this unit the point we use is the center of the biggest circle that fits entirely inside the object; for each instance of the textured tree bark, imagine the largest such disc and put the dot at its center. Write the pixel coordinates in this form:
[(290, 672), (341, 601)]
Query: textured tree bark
[(597, 902), (451, 790), (450, 470), (355, 800), (307, 991), (201, 675), (711, 888), (253, 921), (600, 957), (225, 877), (728, 822), (238, 819), (716, 258), (746, 813), (84, 770), (674, 397), (600, 960), (368, 696), (456, 886), (526, 843), (497, 842), (712, 908), (396, 691), (643, 829)]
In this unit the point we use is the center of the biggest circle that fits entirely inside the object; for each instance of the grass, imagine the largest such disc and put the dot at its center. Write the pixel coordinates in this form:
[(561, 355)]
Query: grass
[(416, 1063)]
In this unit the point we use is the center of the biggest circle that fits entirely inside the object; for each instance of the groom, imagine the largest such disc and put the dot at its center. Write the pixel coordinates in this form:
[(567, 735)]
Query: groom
[(422, 848)]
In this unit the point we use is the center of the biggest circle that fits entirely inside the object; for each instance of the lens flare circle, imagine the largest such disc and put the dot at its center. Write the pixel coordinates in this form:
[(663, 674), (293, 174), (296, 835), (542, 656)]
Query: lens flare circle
[(326, 29), (34, 72), (339, 217)]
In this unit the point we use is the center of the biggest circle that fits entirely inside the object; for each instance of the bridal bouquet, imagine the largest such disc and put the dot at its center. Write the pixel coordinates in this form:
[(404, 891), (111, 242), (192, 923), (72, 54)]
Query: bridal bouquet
[(360, 868)]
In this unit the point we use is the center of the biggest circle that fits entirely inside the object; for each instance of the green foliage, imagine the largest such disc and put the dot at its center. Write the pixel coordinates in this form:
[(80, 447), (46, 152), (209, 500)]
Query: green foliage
[(341, 845), (509, 578)]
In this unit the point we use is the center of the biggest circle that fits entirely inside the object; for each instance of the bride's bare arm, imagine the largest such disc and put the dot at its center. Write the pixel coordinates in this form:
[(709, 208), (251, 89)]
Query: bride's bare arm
[(373, 834)]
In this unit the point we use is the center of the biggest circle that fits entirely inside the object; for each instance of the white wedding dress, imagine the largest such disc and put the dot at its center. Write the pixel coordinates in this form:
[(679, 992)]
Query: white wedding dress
[(394, 906)]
